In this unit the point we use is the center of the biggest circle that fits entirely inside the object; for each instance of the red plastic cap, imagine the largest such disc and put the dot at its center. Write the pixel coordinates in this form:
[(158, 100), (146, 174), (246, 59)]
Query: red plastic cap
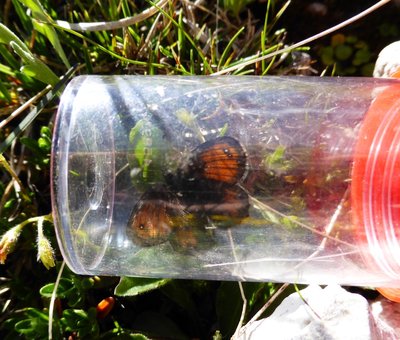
[(376, 184)]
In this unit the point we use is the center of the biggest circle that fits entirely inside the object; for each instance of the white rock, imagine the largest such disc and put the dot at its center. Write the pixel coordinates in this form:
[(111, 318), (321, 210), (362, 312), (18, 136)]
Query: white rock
[(330, 314), (388, 61)]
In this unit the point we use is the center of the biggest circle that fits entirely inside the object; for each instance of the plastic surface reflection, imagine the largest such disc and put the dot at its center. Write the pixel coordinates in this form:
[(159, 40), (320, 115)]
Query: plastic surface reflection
[(216, 178)]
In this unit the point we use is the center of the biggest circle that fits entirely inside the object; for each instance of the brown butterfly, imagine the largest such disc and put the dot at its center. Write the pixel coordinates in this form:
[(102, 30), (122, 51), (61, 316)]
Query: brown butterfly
[(205, 188), (220, 160)]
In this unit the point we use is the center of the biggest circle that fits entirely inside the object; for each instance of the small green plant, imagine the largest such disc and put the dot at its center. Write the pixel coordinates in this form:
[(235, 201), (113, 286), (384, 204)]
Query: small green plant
[(40, 148), (348, 55)]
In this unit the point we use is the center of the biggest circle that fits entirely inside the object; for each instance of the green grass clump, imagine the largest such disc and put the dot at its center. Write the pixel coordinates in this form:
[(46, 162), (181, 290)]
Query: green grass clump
[(348, 55)]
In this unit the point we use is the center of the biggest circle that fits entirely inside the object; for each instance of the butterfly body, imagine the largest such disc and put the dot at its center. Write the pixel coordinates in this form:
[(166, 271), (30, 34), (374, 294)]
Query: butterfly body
[(204, 188)]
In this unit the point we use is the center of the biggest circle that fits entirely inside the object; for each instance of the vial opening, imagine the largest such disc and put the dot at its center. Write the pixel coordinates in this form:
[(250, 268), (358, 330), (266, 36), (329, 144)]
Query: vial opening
[(83, 168)]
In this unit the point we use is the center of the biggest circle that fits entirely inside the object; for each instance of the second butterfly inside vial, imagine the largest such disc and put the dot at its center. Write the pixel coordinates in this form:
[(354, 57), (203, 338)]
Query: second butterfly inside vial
[(202, 192)]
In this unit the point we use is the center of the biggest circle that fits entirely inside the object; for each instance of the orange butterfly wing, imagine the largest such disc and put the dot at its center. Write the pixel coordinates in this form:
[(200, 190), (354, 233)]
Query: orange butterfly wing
[(157, 215), (221, 160), (150, 222)]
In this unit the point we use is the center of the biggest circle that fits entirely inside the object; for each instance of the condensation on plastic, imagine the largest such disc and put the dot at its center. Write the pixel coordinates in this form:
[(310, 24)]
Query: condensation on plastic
[(116, 137)]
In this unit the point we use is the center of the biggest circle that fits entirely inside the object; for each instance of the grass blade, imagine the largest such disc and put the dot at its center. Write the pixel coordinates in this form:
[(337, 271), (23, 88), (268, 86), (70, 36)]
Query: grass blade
[(41, 24), (228, 47), (48, 98)]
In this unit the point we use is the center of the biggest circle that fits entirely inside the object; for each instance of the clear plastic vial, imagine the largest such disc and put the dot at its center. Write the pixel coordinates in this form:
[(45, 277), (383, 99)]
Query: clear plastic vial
[(289, 179)]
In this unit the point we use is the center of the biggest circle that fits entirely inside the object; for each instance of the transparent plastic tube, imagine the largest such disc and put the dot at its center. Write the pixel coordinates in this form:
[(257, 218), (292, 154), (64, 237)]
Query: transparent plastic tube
[(290, 179)]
